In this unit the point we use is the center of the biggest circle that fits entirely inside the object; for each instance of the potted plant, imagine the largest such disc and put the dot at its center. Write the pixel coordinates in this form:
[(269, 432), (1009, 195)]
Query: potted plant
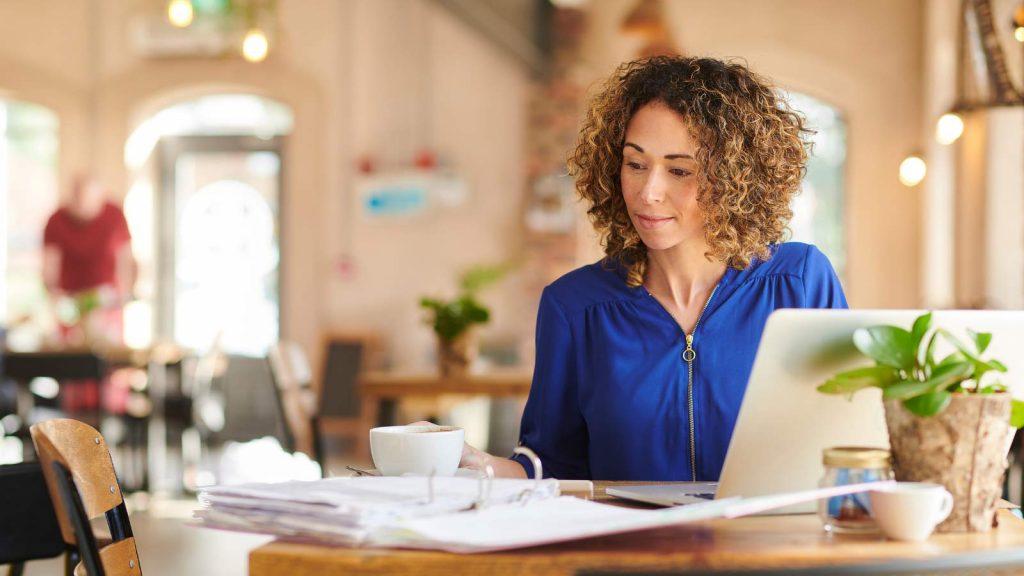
[(453, 320), (949, 419)]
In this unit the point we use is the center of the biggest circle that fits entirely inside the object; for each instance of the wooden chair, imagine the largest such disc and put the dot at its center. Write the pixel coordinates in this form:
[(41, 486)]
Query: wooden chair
[(297, 403), (83, 485), (340, 408), (334, 409)]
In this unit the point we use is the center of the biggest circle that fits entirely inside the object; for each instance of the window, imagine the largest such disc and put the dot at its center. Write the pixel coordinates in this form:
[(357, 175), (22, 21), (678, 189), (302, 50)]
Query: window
[(818, 216), (29, 141)]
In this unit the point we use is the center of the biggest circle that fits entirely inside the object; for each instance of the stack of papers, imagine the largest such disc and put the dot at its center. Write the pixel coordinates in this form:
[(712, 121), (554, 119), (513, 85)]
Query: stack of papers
[(349, 510), (395, 512)]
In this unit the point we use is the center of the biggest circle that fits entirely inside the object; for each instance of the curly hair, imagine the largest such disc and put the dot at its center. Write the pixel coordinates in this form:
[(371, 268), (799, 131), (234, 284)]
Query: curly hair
[(751, 157)]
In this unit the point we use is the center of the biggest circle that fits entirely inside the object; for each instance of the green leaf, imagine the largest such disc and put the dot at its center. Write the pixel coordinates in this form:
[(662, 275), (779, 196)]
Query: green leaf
[(999, 366), (928, 404), (852, 380), (941, 380), (980, 366), (954, 358), (951, 372), (479, 277), (906, 389), (981, 340), (929, 356), (1017, 414), (921, 326), (887, 345)]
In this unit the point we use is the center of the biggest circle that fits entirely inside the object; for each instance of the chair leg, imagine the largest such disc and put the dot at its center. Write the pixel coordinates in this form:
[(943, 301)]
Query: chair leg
[(369, 412), (16, 569), (71, 560), (318, 446)]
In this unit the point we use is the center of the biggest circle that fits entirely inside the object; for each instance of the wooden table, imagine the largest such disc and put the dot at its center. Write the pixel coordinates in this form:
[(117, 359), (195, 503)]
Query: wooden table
[(385, 388), (393, 385), (762, 543)]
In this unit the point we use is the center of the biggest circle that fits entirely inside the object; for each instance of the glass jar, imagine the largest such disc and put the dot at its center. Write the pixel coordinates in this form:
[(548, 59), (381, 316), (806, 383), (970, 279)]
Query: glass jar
[(851, 465)]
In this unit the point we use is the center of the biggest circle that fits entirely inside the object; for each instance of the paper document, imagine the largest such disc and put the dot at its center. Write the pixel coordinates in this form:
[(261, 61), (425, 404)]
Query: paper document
[(397, 512)]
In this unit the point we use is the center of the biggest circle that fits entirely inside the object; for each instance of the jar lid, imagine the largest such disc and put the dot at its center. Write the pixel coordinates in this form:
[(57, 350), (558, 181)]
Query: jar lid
[(856, 457)]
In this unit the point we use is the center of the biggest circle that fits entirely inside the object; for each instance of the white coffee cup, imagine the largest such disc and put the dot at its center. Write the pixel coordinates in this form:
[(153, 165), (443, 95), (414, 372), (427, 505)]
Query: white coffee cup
[(910, 510), (418, 450)]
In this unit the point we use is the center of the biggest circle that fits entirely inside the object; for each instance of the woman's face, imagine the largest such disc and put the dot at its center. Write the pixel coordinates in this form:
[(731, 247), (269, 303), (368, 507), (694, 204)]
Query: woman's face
[(658, 176)]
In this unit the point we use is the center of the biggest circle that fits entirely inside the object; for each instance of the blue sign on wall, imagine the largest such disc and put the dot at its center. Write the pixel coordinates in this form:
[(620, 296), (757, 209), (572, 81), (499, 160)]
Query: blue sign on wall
[(394, 200)]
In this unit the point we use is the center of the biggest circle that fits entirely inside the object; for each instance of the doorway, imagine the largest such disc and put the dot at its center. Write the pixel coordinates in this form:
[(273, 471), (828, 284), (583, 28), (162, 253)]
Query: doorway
[(219, 261)]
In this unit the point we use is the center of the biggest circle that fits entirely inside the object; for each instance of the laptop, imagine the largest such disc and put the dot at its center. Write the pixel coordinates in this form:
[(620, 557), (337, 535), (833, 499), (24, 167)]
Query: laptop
[(784, 423)]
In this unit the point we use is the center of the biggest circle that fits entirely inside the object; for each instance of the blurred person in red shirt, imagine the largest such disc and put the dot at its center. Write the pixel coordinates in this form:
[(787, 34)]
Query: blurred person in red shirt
[(87, 259)]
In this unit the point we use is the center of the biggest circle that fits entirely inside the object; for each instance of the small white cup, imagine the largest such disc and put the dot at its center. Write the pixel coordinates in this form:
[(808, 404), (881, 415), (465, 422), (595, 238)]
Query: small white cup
[(910, 510), (418, 450)]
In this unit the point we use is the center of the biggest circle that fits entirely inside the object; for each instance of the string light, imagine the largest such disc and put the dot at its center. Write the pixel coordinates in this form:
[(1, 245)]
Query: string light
[(949, 128), (255, 46), (1018, 24), (912, 171), (180, 13)]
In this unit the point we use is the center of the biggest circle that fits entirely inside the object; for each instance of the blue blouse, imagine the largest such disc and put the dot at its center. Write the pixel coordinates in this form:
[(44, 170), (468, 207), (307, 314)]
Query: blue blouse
[(610, 398)]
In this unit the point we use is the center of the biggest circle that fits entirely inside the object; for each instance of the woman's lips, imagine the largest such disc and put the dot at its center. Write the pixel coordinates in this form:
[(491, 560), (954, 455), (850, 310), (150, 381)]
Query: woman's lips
[(652, 222)]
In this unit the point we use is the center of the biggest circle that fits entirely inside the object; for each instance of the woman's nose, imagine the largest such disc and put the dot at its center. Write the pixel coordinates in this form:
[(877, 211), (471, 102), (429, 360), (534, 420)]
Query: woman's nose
[(654, 188)]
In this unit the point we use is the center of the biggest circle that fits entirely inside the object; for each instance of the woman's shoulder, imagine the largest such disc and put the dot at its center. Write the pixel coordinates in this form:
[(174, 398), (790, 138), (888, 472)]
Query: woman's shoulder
[(585, 286), (789, 259)]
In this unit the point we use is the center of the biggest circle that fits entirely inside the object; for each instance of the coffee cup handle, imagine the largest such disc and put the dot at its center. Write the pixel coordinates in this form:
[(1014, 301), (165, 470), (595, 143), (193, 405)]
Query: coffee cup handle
[(947, 506)]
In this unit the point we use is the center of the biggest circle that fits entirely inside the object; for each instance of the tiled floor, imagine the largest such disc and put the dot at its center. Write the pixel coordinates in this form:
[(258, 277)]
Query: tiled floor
[(170, 547)]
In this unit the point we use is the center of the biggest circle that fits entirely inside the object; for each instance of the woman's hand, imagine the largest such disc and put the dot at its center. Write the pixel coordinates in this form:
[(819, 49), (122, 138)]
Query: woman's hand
[(476, 459)]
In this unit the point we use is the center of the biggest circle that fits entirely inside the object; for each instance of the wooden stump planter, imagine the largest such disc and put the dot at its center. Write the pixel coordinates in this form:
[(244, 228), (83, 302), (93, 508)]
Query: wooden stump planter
[(963, 448), (456, 356)]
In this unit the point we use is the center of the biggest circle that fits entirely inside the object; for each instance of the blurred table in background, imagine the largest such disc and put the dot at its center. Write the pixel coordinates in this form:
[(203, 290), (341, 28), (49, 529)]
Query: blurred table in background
[(380, 391), (393, 385)]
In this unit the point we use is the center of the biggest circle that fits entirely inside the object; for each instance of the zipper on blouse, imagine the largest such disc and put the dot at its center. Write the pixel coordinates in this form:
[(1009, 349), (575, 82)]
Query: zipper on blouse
[(689, 355)]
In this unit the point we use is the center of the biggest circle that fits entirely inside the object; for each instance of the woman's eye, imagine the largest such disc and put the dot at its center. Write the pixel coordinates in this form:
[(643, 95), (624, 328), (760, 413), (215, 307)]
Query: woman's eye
[(635, 165), (681, 173)]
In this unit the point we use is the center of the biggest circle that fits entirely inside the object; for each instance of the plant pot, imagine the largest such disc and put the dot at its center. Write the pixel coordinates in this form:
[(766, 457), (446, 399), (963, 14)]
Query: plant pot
[(455, 356), (963, 448)]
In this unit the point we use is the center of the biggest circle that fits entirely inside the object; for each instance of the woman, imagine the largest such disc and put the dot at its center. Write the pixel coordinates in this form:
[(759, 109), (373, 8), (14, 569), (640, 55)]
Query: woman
[(689, 165)]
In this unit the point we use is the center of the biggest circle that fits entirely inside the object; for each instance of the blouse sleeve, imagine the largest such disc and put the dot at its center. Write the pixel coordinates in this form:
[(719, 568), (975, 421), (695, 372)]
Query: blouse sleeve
[(822, 288), (552, 424)]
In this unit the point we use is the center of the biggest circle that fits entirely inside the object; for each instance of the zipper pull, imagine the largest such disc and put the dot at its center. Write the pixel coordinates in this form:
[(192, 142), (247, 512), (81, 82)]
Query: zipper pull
[(689, 355)]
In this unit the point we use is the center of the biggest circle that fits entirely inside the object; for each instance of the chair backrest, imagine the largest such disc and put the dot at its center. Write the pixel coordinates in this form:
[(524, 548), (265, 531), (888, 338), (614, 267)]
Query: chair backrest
[(295, 398), (250, 401), (83, 485), (343, 361), (28, 523)]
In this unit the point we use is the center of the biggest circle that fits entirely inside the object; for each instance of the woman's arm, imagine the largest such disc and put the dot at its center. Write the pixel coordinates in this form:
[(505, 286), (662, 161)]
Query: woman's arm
[(553, 425)]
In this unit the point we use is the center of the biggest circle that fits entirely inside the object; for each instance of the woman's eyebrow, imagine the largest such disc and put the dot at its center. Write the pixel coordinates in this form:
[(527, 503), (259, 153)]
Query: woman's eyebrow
[(667, 156)]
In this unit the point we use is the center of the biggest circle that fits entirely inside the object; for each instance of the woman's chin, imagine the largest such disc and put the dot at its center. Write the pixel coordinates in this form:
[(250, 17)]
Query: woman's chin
[(658, 242)]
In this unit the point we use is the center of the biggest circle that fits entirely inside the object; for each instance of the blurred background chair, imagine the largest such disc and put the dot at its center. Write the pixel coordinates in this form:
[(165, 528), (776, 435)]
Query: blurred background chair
[(80, 477), (28, 526), (312, 416)]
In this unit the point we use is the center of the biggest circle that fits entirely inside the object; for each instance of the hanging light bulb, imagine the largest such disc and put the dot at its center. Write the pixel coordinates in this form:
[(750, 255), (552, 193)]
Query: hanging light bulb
[(912, 171), (1018, 24), (255, 46), (180, 13), (949, 128)]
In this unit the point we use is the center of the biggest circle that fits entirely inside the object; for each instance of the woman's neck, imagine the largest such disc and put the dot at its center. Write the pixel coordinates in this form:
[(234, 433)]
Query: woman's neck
[(683, 274)]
